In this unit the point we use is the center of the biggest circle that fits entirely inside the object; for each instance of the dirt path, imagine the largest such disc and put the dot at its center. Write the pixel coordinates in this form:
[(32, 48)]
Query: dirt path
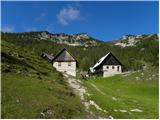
[(81, 91)]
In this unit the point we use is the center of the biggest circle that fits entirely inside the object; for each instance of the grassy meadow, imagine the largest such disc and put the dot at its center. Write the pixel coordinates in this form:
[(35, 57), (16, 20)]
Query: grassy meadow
[(120, 94), (32, 88)]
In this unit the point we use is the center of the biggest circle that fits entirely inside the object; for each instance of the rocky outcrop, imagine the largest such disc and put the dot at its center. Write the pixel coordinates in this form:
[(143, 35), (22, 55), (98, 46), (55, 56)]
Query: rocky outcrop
[(131, 40), (81, 39)]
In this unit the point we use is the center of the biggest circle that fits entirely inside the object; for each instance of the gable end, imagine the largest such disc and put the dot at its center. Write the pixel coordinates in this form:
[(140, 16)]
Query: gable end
[(64, 56), (111, 60)]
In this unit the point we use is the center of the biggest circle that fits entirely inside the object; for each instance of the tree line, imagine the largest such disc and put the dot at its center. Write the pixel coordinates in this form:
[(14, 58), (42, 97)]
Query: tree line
[(132, 58)]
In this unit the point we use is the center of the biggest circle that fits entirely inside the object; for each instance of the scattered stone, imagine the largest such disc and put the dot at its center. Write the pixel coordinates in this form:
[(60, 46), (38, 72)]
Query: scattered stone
[(79, 81), (42, 114), (123, 110), (137, 78), (8, 66), (104, 111), (88, 94), (87, 75), (142, 49), (17, 100), (136, 110), (111, 117), (95, 105), (49, 112), (113, 98), (86, 104), (81, 91), (18, 71), (115, 110), (136, 101), (153, 75)]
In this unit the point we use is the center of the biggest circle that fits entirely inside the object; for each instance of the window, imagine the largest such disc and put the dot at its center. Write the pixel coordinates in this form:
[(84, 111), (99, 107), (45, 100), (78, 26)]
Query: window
[(59, 63), (117, 68), (69, 63), (107, 67), (112, 67)]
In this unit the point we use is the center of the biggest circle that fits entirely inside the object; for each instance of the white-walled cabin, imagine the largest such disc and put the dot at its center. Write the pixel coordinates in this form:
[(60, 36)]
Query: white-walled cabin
[(108, 65), (65, 62)]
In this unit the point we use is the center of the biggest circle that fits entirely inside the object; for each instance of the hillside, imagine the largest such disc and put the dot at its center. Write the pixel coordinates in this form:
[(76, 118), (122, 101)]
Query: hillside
[(80, 39), (133, 40), (26, 75), (147, 49), (129, 96), (31, 88)]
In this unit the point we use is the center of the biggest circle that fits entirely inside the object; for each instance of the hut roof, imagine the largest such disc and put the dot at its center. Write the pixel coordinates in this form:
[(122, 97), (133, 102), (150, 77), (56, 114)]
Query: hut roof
[(45, 55), (63, 55), (101, 61)]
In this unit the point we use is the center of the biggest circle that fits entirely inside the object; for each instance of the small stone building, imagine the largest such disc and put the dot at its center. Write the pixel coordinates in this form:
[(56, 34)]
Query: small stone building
[(47, 56), (108, 65), (65, 62)]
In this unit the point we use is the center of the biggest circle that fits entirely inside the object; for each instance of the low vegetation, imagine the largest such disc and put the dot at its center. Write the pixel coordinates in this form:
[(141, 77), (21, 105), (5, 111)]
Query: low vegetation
[(127, 96), (31, 88), (87, 56)]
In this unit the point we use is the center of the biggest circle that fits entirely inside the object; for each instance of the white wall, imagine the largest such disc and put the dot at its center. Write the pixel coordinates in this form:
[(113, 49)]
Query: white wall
[(110, 71), (71, 70)]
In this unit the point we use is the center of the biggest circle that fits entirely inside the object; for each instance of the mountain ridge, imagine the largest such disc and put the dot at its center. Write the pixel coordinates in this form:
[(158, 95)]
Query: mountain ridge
[(82, 39), (132, 40), (78, 39)]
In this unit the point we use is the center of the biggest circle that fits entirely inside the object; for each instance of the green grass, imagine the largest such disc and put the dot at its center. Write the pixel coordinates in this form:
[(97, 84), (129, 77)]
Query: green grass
[(31, 87), (130, 94)]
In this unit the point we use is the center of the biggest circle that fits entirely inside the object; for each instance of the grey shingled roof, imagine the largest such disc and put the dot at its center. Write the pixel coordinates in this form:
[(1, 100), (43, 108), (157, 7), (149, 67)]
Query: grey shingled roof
[(49, 57), (64, 55)]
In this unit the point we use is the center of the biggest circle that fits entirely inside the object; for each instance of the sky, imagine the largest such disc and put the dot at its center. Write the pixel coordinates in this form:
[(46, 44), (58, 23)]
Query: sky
[(105, 20)]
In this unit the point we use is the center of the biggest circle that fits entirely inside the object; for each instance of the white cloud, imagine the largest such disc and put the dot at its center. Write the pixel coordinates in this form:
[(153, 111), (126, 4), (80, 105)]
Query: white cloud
[(67, 15), (7, 28)]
